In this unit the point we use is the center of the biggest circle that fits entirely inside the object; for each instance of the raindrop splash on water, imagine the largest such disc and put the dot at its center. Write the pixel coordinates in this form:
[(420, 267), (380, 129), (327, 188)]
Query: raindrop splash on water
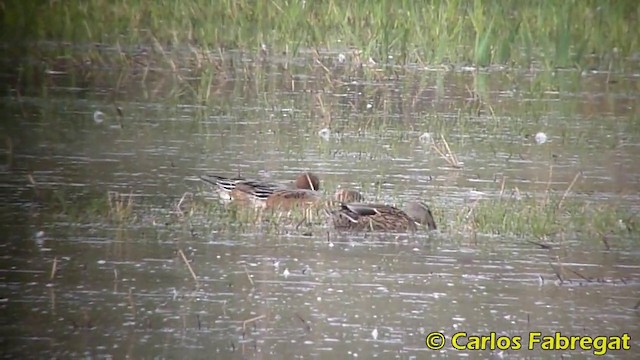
[(541, 138), (98, 117), (325, 134), (426, 138), (40, 237)]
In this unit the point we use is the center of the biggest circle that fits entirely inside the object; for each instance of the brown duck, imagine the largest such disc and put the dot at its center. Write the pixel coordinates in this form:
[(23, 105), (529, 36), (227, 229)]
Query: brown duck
[(382, 218)]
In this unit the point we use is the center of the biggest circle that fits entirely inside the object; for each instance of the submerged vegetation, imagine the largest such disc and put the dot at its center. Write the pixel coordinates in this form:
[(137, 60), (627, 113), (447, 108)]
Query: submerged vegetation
[(554, 33)]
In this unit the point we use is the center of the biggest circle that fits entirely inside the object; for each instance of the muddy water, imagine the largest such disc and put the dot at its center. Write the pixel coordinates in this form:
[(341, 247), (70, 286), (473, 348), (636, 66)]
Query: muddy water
[(122, 289)]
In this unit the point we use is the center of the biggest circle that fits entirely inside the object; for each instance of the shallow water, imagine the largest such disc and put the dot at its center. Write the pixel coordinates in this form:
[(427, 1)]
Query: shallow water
[(124, 290)]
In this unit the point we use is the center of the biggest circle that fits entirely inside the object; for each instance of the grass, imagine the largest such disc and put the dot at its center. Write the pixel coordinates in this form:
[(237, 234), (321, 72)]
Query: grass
[(553, 33), (114, 207), (547, 215), (236, 218), (543, 217), (120, 206)]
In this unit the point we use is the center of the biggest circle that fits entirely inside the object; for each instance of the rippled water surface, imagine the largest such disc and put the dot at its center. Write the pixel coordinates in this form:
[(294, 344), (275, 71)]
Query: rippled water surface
[(77, 282)]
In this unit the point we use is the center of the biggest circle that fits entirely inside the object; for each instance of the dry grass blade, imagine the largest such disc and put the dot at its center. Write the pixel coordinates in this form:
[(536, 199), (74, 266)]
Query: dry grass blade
[(502, 184), (32, 181), (249, 321), (186, 261), (566, 192), (36, 189), (158, 47), (246, 271), (309, 182), (548, 189), (179, 210), (445, 152), (316, 58), (326, 115), (54, 268)]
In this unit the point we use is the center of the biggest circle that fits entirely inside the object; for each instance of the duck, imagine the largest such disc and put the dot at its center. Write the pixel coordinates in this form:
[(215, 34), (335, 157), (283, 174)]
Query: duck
[(362, 217), (302, 192)]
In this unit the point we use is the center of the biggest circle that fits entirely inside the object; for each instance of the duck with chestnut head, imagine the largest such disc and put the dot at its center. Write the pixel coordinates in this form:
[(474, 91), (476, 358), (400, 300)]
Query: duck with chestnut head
[(303, 191)]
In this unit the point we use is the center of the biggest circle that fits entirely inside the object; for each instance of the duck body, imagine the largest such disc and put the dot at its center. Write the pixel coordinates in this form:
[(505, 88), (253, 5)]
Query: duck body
[(301, 193), (363, 217)]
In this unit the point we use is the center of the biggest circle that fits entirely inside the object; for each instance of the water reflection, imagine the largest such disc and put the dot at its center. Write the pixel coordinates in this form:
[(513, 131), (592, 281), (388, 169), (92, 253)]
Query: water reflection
[(76, 286)]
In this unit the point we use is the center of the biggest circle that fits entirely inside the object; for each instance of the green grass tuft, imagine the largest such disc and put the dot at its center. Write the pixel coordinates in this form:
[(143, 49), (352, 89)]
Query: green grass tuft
[(546, 217)]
